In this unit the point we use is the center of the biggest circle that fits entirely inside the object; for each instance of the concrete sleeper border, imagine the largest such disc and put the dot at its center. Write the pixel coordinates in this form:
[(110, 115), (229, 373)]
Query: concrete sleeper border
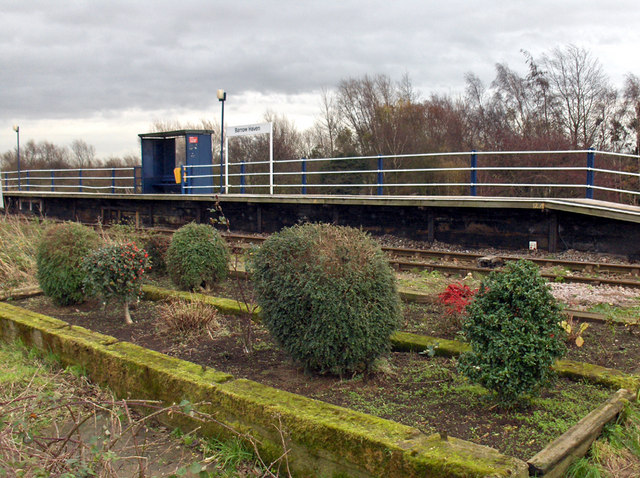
[(552, 461)]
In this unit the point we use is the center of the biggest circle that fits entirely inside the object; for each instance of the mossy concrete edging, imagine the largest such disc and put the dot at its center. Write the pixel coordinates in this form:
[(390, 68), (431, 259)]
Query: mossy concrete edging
[(609, 377), (322, 439)]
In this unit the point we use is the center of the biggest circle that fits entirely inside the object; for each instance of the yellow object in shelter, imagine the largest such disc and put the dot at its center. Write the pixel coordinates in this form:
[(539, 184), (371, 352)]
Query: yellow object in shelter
[(177, 174)]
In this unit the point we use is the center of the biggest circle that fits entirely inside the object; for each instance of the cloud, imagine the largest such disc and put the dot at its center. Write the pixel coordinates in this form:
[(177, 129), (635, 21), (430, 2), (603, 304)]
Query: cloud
[(76, 60)]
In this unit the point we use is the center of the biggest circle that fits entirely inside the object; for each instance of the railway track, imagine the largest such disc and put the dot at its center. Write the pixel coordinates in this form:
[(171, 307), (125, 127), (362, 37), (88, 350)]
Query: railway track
[(405, 259), (462, 263)]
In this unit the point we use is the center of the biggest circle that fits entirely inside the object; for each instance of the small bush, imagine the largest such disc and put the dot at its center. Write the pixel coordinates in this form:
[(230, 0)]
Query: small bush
[(328, 296), (197, 256), (59, 258), (456, 297), (114, 272), (157, 246), (514, 332), (185, 317)]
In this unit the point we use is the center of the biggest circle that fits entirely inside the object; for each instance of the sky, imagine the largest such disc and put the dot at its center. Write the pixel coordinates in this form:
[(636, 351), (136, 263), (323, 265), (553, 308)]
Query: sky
[(105, 71)]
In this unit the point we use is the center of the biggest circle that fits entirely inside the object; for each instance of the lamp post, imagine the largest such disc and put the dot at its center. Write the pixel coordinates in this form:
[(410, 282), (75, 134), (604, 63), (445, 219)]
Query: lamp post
[(222, 96), (16, 128)]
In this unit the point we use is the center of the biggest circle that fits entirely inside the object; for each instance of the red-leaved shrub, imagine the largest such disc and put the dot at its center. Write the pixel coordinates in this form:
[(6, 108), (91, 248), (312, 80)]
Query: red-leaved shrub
[(456, 297)]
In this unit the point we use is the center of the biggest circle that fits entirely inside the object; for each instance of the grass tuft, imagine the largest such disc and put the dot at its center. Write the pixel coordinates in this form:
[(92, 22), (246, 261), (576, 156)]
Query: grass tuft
[(180, 317)]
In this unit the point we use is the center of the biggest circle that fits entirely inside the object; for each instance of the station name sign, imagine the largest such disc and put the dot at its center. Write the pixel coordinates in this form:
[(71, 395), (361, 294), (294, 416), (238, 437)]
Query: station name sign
[(249, 129)]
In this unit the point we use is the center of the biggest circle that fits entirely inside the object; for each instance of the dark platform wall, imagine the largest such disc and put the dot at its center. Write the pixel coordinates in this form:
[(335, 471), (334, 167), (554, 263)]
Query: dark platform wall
[(474, 227)]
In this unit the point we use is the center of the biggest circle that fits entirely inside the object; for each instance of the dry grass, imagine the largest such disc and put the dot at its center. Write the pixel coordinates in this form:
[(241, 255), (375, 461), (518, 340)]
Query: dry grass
[(181, 318), (617, 463), (55, 423), (19, 237), (616, 454)]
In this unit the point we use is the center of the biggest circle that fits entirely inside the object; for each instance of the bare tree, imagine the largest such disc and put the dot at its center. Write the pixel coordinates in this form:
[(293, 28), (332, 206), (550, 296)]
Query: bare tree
[(83, 154), (384, 118), (632, 101), (327, 128), (582, 88)]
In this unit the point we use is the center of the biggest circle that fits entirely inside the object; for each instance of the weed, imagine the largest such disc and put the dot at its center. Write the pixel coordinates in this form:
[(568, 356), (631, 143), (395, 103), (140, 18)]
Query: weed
[(229, 455), (560, 273), (574, 330), (630, 314)]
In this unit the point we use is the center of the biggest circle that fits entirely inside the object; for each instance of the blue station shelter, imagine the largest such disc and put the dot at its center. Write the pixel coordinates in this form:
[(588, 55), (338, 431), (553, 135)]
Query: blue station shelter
[(163, 152)]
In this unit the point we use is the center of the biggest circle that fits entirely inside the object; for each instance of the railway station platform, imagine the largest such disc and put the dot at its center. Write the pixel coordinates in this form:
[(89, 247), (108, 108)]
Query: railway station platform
[(470, 221)]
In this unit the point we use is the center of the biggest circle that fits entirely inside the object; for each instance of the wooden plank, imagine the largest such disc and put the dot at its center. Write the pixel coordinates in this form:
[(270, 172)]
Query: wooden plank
[(554, 459)]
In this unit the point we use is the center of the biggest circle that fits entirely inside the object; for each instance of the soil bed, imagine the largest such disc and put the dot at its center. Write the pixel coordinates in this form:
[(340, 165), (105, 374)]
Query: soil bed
[(409, 388), (609, 345)]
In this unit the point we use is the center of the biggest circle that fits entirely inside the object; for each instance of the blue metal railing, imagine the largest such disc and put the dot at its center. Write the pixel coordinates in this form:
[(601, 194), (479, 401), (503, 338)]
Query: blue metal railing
[(551, 174), (94, 180)]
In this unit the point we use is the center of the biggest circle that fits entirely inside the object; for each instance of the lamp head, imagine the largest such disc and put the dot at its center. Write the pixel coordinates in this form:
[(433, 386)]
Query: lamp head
[(222, 95), (16, 128)]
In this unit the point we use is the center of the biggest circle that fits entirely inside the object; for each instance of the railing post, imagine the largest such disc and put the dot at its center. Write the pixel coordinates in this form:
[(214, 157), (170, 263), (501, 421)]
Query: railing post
[(53, 174), (113, 181), (242, 177), (380, 176), (28, 181), (474, 172), (80, 179), (135, 179), (304, 175), (183, 179), (591, 160)]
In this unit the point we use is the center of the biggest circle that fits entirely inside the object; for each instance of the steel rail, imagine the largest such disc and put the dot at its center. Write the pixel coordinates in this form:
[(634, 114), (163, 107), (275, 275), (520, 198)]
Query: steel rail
[(471, 258)]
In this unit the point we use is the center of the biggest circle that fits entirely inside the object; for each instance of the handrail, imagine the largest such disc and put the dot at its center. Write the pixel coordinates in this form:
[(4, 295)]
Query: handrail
[(550, 174)]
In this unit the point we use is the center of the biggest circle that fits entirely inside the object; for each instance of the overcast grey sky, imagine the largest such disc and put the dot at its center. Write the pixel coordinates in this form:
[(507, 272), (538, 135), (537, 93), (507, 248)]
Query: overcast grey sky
[(104, 71)]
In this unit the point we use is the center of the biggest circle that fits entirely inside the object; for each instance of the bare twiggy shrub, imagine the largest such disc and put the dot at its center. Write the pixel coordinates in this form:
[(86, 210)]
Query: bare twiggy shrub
[(187, 317), (54, 423)]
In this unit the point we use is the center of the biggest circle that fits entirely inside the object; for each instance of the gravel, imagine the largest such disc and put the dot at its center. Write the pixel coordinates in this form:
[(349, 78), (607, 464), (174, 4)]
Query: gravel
[(583, 296)]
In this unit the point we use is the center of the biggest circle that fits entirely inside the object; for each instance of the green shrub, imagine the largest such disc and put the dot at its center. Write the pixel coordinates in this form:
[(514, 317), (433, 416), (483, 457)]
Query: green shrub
[(514, 332), (157, 245), (197, 256), (59, 257), (328, 296), (114, 272)]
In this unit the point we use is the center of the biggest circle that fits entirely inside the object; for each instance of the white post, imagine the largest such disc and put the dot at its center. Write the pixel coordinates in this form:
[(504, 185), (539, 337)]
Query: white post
[(1, 196), (270, 158)]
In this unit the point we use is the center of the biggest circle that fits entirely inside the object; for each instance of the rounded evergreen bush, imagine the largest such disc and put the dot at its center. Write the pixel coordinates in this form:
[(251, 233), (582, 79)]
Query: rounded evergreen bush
[(197, 256), (328, 296), (513, 327), (59, 257)]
